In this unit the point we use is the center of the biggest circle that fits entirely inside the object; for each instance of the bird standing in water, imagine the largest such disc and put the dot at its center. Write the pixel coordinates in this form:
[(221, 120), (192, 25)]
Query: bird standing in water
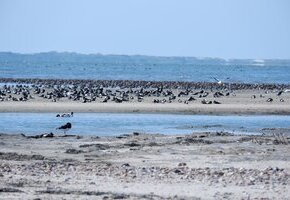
[(65, 127)]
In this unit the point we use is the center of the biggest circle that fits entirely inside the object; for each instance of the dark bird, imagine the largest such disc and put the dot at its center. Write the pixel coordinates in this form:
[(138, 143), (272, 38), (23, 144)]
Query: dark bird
[(65, 127), (269, 100), (216, 102), (65, 115), (279, 93)]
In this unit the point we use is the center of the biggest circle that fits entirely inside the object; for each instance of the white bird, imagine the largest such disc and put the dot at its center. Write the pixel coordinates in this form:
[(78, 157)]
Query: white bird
[(218, 81)]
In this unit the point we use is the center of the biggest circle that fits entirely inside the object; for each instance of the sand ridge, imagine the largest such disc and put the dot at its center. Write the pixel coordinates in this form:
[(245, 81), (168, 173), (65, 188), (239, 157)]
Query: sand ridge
[(234, 108)]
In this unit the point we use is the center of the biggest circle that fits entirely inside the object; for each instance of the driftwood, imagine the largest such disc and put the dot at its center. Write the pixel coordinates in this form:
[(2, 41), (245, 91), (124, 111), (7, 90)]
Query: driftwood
[(45, 135)]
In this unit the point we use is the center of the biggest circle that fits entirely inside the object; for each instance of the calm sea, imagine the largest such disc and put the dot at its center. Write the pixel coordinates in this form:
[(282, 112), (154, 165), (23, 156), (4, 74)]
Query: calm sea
[(143, 70)]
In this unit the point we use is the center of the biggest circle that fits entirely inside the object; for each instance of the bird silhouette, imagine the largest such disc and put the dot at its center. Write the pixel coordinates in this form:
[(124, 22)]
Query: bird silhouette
[(65, 127), (65, 115)]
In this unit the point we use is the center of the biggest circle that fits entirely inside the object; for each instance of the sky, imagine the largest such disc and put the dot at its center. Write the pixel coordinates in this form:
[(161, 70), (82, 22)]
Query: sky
[(257, 29)]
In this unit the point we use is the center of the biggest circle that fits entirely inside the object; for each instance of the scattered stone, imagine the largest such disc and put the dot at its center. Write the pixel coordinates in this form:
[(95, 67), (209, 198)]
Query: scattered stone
[(45, 135), (125, 165), (132, 144), (20, 157), (181, 164), (73, 151), (136, 133), (96, 146), (10, 190)]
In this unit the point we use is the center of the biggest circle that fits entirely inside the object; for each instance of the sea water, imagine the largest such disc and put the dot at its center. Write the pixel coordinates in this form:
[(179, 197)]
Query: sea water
[(108, 124), (74, 66), (174, 69)]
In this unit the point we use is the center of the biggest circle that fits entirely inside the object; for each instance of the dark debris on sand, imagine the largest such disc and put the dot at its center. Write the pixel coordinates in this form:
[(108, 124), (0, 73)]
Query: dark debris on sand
[(19, 157)]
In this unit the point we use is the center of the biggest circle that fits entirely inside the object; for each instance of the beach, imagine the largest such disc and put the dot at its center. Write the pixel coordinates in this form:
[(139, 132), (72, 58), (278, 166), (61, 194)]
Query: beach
[(37, 95), (144, 100), (145, 166), (231, 109), (138, 165)]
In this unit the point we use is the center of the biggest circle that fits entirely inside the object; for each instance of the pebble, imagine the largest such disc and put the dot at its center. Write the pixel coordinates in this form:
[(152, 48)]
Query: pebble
[(229, 176)]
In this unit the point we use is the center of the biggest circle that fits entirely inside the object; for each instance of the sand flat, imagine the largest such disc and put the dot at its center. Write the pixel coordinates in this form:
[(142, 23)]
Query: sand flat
[(145, 166), (197, 108)]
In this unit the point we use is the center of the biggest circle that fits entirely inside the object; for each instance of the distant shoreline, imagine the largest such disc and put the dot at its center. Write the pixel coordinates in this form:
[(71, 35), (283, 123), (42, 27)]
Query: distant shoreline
[(57, 55)]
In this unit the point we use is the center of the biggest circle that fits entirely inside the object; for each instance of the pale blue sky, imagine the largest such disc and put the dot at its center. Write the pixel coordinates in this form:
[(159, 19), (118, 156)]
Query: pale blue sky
[(203, 28)]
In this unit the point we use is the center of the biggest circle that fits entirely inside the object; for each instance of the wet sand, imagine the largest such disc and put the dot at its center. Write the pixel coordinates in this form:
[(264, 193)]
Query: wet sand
[(145, 166)]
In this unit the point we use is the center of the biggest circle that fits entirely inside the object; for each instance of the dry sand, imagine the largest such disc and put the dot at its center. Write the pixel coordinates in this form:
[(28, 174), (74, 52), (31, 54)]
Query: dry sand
[(235, 108), (142, 166)]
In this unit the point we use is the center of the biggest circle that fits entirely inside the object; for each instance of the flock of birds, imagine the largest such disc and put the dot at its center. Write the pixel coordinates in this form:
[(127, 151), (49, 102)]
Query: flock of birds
[(91, 93), (66, 127), (88, 94)]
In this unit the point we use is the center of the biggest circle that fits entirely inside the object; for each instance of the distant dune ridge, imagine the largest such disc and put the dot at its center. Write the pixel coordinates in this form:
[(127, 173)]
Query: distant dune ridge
[(53, 56)]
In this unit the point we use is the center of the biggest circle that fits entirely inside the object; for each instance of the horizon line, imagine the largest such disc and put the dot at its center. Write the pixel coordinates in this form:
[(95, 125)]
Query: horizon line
[(145, 55)]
